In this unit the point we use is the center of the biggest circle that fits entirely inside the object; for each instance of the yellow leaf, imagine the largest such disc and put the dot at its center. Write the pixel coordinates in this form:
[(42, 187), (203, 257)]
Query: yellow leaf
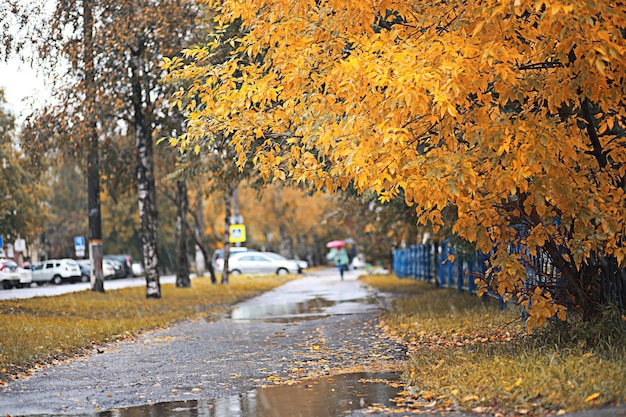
[(592, 397), (600, 66), (469, 398), (478, 28)]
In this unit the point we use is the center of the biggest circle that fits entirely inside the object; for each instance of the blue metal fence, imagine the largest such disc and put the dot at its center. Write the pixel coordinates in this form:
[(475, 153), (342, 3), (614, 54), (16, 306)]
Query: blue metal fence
[(431, 262)]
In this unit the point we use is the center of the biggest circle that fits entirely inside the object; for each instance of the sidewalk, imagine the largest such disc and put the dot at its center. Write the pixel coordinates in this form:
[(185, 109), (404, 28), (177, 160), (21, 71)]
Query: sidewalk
[(200, 359)]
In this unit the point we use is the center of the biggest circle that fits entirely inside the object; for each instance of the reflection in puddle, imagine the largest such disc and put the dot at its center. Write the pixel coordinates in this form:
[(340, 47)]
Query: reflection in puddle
[(334, 396), (312, 308)]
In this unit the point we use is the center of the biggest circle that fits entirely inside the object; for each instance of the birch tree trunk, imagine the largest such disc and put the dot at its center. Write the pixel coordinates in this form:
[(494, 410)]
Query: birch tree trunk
[(146, 188)]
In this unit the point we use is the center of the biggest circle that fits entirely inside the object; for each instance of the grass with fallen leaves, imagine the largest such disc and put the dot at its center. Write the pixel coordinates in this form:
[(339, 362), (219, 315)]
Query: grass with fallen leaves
[(43, 329), (467, 354)]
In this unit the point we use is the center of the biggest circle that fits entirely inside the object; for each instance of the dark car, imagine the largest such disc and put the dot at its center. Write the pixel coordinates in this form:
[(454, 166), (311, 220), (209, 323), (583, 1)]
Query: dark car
[(127, 264), (85, 272)]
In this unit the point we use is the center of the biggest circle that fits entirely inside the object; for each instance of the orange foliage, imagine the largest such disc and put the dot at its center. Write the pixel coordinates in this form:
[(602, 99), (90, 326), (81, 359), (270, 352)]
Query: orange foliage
[(511, 112)]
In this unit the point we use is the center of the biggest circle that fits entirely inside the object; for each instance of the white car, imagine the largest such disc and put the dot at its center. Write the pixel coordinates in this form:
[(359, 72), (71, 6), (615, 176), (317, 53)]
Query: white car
[(108, 269), (252, 262), (11, 275), (218, 256), (56, 271), (302, 265), (137, 268)]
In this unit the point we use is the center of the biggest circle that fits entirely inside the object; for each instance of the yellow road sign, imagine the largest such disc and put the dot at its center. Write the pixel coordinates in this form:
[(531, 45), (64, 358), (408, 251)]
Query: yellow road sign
[(237, 233)]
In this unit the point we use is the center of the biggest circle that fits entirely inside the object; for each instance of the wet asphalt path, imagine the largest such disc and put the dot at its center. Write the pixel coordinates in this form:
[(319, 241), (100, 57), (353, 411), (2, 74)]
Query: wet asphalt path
[(313, 326)]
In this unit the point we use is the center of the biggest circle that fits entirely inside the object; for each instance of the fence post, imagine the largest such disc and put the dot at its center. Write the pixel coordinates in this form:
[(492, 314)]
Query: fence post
[(442, 270), (413, 263), (470, 274), (415, 249), (459, 275), (450, 274), (428, 251), (422, 262)]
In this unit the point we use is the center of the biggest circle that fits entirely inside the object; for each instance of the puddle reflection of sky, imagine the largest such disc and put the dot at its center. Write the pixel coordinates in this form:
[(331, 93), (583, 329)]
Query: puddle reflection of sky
[(317, 307), (334, 396)]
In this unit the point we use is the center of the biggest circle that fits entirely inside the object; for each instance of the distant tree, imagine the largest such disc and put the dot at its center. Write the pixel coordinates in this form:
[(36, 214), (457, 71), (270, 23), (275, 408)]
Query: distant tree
[(22, 214), (130, 38), (220, 165), (67, 208), (221, 176), (290, 220)]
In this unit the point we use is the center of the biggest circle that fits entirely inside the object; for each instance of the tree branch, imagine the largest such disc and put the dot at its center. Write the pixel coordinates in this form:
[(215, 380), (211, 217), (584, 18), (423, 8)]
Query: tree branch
[(593, 135)]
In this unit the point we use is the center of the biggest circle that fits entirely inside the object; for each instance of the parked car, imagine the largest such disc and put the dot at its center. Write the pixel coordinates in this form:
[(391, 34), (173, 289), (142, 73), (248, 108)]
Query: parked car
[(13, 276), (302, 265), (252, 262), (126, 262), (26, 275), (218, 256), (85, 272), (56, 271), (137, 268), (108, 269), (118, 268)]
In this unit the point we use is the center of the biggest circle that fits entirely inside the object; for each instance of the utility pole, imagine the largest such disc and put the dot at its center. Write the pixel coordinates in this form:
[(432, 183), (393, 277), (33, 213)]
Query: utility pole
[(93, 170), (237, 218)]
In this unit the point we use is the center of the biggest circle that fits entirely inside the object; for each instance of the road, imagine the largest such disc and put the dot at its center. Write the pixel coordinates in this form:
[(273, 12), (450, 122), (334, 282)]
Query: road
[(49, 290)]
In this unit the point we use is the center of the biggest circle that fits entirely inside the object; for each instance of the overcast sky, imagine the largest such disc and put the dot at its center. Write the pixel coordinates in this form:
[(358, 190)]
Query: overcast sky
[(20, 81)]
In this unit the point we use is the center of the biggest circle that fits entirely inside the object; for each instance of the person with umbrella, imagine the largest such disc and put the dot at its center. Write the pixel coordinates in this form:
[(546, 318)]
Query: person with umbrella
[(338, 255)]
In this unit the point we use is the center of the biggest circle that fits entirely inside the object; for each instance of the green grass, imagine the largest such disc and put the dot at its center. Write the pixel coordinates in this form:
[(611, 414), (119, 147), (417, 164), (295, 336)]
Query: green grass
[(39, 330), (466, 354)]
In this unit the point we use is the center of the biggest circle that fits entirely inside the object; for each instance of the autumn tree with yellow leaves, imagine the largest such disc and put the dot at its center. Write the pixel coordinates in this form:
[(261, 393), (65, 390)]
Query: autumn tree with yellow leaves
[(510, 113)]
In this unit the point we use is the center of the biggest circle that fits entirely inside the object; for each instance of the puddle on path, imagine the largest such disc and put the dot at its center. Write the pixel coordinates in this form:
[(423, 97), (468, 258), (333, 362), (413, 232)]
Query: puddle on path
[(333, 396), (308, 309)]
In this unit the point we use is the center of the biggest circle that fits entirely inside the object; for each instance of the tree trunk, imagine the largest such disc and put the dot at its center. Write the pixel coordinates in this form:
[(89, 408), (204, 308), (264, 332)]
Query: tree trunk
[(206, 255), (198, 235), (200, 253), (228, 200), (93, 169), (146, 188), (205, 252), (285, 242), (182, 260)]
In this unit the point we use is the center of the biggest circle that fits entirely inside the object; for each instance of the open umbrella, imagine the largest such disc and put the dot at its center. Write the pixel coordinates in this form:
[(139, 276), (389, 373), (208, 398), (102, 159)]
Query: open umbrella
[(335, 244)]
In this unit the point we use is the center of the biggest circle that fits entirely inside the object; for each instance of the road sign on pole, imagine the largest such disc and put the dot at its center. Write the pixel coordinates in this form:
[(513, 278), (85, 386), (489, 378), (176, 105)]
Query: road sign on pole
[(79, 246), (237, 233), (19, 245)]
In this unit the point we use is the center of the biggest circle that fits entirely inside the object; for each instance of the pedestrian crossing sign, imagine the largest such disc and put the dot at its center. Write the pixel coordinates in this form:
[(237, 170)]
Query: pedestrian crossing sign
[(237, 233)]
